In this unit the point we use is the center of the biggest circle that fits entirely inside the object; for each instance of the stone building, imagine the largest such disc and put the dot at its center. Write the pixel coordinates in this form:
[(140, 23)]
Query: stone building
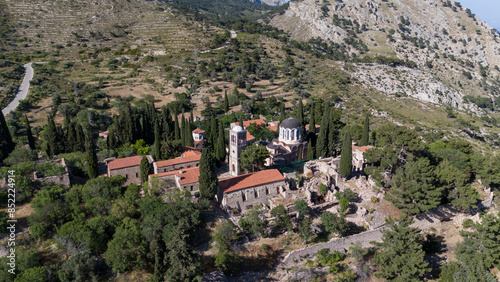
[(287, 148), (199, 138), (358, 160), (245, 191), (128, 167), (237, 143), (181, 179), (190, 158)]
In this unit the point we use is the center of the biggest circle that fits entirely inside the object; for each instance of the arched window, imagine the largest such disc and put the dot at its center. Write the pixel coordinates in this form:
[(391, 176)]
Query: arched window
[(234, 168)]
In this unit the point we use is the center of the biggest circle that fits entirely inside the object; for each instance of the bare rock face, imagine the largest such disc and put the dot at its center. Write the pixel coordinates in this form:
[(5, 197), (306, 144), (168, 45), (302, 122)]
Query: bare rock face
[(447, 43), (270, 2)]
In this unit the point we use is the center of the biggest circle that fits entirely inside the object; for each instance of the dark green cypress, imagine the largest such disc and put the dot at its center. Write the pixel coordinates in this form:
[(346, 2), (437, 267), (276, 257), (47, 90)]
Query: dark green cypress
[(300, 112), (92, 167), (332, 134), (111, 140), (71, 137), (6, 144), (282, 112), (144, 168), (183, 131), (80, 138), (345, 166), (366, 132), (157, 144), (208, 178), (127, 121), (322, 142), (31, 140), (226, 102), (309, 150), (189, 135), (177, 130), (167, 125), (51, 137), (221, 146), (213, 132)]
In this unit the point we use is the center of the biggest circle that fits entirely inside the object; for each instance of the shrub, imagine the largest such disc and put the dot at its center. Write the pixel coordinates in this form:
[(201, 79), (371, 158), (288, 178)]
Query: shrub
[(468, 223)]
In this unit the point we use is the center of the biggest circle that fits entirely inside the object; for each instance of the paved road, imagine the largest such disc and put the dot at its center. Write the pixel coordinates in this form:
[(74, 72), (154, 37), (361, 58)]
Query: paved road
[(22, 93)]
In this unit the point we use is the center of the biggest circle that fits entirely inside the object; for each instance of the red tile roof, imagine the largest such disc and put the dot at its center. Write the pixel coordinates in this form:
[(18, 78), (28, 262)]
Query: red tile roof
[(198, 130), (248, 122), (250, 180), (190, 151), (180, 160), (124, 162), (362, 149), (188, 176)]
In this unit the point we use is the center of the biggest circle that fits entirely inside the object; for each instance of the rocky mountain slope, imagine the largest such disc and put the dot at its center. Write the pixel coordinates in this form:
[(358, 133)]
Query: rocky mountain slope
[(270, 2), (447, 42)]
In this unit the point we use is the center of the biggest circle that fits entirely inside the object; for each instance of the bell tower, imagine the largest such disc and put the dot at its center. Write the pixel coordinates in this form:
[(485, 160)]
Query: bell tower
[(237, 143)]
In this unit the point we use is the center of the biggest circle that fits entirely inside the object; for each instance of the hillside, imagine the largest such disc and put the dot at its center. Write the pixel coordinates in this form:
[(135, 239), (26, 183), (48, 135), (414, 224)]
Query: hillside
[(447, 42)]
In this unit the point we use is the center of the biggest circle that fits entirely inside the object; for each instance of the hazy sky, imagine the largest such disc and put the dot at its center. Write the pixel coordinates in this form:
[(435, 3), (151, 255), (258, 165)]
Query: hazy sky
[(487, 10)]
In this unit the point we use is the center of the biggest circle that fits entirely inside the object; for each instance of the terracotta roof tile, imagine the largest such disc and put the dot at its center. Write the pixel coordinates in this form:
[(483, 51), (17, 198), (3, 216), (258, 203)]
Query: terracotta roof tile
[(198, 130), (188, 176), (250, 180), (190, 151), (246, 123), (179, 160), (124, 162), (362, 149)]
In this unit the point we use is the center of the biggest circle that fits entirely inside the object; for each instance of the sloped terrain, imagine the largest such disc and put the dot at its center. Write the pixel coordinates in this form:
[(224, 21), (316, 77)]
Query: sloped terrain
[(440, 37)]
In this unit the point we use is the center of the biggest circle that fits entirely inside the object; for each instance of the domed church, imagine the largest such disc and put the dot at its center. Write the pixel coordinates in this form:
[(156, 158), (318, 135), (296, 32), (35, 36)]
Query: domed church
[(289, 145)]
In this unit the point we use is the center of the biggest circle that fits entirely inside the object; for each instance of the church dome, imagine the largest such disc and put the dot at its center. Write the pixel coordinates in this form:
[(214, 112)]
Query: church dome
[(238, 128), (290, 123)]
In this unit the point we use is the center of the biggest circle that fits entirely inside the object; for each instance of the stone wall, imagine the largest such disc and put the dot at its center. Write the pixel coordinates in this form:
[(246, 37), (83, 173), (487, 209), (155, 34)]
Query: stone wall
[(247, 198), (131, 173), (176, 167), (63, 179)]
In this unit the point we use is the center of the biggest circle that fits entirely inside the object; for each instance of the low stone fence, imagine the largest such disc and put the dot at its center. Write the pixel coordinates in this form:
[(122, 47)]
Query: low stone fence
[(341, 245)]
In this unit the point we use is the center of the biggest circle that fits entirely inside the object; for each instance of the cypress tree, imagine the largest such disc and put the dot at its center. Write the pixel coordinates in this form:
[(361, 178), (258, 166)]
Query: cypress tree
[(213, 132), (92, 167), (6, 144), (71, 137), (144, 167), (366, 132), (191, 116), (183, 131), (226, 102), (80, 138), (177, 131), (332, 134), (166, 122), (208, 178), (157, 151), (300, 112), (322, 142), (309, 150), (189, 135), (221, 146), (282, 112), (300, 155), (127, 128), (345, 165), (111, 141), (241, 122), (31, 140), (51, 138)]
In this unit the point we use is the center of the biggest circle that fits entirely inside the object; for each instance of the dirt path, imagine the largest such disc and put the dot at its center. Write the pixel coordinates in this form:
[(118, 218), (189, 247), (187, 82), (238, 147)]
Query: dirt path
[(22, 93)]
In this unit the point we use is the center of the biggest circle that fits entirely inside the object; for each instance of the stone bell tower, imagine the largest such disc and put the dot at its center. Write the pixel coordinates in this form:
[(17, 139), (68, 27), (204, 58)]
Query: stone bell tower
[(237, 143)]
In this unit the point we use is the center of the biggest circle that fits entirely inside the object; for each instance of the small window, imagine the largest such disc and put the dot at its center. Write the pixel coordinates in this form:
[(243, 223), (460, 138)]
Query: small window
[(188, 166), (191, 187), (244, 197), (126, 176), (164, 170), (267, 191), (136, 174), (256, 193)]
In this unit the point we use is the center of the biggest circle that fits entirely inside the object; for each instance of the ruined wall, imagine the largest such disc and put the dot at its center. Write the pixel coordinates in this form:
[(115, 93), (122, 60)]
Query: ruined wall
[(247, 198)]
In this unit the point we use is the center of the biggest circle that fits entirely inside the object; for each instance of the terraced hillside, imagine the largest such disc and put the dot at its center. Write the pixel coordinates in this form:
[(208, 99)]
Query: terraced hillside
[(58, 26)]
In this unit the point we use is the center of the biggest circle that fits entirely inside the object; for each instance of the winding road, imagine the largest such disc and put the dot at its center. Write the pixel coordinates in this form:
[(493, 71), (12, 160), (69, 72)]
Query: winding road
[(22, 93)]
